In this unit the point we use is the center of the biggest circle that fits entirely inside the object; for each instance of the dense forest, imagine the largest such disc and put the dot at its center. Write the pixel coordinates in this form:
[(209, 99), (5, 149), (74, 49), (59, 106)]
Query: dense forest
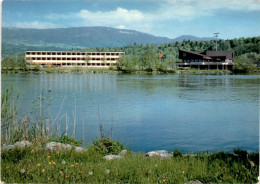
[(146, 57)]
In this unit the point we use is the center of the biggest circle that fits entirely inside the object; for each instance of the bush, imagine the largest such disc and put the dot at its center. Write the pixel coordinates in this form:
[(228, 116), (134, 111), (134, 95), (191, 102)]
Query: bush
[(67, 140), (107, 146)]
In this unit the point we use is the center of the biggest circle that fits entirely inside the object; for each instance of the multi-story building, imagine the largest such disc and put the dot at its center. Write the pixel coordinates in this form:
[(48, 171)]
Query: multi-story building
[(71, 58)]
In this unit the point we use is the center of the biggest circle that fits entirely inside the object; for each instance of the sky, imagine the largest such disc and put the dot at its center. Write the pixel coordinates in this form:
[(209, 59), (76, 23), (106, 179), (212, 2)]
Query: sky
[(167, 18)]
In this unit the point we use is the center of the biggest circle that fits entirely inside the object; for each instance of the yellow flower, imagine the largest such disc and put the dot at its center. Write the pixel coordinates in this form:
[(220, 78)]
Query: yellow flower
[(38, 165), (171, 152), (32, 151), (49, 156), (43, 170), (53, 163), (183, 172), (76, 163), (49, 163), (60, 172), (72, 165), (164, 180), (66, 176)]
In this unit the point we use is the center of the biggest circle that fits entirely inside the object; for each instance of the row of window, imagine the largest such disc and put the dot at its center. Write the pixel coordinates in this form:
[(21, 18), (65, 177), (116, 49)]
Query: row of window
[(76, 53), (67, 59), (79, 64), (192, 60)]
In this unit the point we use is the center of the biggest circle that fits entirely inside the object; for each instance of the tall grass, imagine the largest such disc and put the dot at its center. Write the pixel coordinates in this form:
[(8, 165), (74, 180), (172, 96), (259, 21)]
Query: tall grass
[(36, 166)]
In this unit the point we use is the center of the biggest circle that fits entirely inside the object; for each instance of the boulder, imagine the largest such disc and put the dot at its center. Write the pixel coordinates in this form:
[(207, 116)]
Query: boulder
[(80, 149), (194, 182), (159, 153), (112, 157), (122, 153), (22, 144), (57, 146), (8, 147)]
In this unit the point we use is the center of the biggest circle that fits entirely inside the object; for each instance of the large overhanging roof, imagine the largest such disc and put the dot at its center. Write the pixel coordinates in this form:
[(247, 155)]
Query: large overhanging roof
[(197, 53)]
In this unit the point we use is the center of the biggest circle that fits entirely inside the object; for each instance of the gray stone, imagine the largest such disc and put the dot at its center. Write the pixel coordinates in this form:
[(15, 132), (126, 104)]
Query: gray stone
[(122, 153), (57, 146), (159, 153), (8, 147), (80, 149), (112, 157), (22, 144), (194, 182)]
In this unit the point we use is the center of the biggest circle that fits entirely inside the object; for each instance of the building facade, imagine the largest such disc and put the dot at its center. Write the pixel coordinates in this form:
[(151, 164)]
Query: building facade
[(206, 59), (70, 58)]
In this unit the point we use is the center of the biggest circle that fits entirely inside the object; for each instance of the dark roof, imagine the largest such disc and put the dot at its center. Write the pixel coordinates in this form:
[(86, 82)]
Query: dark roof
[(196, 53)]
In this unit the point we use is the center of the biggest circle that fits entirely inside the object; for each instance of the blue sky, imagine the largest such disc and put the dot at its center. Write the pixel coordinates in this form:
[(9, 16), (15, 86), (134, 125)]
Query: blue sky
[(170, 18)]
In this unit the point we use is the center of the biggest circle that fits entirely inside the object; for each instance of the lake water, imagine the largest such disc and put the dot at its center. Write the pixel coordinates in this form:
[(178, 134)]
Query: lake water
[(190, 113)]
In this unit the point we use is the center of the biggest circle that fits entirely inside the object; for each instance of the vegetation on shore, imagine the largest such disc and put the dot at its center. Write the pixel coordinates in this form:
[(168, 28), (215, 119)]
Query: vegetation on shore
[(32, 165), (145, 58)]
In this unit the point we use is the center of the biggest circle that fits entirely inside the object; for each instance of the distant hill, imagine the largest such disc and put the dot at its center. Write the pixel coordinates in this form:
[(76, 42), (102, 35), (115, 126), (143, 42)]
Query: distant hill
[(16, 40)]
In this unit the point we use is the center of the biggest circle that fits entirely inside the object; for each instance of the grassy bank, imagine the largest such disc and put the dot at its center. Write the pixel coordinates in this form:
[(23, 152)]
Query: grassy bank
[(32, 165)]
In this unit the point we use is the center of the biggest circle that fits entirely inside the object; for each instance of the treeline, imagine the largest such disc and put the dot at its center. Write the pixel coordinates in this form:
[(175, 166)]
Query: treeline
[(146, 57)]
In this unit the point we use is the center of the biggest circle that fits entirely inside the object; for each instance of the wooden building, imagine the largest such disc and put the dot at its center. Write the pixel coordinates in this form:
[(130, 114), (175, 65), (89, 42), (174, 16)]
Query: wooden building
[(206, 59)]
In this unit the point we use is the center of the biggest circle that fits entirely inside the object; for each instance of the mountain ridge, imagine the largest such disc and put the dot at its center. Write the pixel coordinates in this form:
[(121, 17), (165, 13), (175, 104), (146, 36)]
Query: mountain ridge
[(21, 39)]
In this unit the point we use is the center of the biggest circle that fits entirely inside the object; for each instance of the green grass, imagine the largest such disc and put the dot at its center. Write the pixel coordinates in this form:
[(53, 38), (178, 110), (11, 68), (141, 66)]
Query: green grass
[(32, 165)]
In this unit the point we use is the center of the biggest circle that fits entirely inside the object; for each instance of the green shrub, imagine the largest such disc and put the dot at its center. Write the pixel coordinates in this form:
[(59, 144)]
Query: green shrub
[(66, 140), (107, 146)]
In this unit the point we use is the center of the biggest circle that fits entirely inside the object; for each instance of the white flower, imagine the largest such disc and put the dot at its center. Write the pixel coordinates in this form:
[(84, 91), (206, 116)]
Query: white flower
[(90, 173), (22, 171), (107, 171), (63, 162)]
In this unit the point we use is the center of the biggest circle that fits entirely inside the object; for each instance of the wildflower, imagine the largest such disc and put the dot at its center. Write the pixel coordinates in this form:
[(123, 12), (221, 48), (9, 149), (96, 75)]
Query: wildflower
[(164, 180), (66, 176), (182, 172), (156, 165), (76, 163), (107, 171), (32, 150), (63, 162), (6, 167), (171, 152), (49, 156), (60, 172), (38, 165), (252, 164), (53, 163), (22, 171), (90, 173), (43, 170), (71, 165)]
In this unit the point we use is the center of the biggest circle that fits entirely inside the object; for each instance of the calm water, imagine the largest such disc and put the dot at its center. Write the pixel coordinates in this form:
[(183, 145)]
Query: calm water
[(150, 112)]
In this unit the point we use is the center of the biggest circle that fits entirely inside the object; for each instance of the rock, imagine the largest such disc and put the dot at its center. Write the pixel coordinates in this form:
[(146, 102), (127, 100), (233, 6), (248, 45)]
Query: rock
[(194, 182), (122, 153), (112, 157), (8, 147), (159, 153), (80, 149), (57, 146), (22, 144)]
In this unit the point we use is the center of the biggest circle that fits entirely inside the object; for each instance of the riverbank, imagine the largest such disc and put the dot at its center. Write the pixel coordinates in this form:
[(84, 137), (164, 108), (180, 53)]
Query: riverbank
[(36, 165), (79, 70)]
